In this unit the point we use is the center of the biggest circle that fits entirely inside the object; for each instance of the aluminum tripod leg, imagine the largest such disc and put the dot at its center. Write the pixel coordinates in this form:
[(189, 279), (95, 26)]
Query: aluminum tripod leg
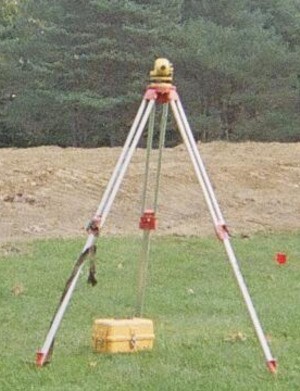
[(102, 212), (219, 222), (148, 154), (43, 354), (200, 163), (144, 257), (162, 136), (122, 157), (142, 273), (122, 169)]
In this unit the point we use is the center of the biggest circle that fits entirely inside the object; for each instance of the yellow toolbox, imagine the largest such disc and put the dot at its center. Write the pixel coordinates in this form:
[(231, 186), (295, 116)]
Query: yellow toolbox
[(122, 335)]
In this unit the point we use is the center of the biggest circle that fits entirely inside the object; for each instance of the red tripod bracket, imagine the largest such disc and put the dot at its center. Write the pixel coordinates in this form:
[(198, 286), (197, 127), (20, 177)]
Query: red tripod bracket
[(222, 231), (148, 220), (93, 227), (162, 93)]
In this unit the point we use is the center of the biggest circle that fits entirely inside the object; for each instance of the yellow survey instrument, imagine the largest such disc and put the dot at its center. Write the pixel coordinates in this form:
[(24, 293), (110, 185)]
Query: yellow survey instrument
[(162, 72)]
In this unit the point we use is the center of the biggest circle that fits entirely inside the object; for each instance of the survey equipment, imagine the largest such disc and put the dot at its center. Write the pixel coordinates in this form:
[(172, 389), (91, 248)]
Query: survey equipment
[(161, 91)]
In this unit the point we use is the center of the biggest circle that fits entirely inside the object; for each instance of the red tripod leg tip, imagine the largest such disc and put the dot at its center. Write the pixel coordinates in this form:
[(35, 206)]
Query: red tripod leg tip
[(40, 359), (272, 366)]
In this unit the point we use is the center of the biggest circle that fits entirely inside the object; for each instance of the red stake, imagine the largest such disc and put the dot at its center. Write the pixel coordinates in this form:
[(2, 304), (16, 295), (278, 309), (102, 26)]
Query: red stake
[(281, 258)]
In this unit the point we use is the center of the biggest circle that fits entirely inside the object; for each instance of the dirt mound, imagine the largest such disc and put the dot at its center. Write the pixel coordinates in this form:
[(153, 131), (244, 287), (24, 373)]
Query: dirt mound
[(53, 192)]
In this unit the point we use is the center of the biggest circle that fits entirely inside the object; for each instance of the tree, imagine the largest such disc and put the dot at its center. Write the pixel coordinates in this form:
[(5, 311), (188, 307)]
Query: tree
[(282, 16), (235, 71), (74, 72), (9, 11), (83, 74)]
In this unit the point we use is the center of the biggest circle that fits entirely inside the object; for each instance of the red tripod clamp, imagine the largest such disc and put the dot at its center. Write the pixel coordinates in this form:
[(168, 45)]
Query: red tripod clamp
[(93, 227), (161, 93), (148, 220), (222, 231)]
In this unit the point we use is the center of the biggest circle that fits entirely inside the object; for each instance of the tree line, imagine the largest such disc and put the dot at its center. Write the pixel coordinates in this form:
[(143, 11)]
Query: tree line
[(72, 72)]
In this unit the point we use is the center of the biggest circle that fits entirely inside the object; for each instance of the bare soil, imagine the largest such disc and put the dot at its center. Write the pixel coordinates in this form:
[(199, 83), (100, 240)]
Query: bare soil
[(53, 192)]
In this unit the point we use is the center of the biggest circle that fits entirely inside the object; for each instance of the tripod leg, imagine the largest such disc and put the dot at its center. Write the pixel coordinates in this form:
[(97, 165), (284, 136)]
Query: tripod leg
[(217, 215), (271, 362), (104, 207), (148, 153), (200, 164), (191, 153), (104, 212), (145, 253), (43, 355), (163, 127), (121, 167), (122, 157), (144, 256), (142, 273)]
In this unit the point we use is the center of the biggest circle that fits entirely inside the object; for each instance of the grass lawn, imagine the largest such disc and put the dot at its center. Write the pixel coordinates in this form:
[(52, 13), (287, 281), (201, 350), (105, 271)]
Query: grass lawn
[(204, 337)]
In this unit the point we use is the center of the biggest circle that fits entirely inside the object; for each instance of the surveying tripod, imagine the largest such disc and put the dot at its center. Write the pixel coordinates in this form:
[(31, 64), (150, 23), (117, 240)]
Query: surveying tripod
[(160, 91)]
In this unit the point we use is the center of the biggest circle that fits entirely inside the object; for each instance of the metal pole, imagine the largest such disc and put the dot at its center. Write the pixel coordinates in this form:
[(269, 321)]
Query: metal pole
[(148, 153), (246, 296), (142, 273), (162, 135), (120, 161), (144, 256), (126, 162), (194, 162), (42, 354), (216, 215), (200, 163), (104, 207)]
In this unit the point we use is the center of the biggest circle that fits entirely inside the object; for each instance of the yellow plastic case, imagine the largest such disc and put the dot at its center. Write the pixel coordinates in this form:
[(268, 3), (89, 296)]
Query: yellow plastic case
[(122, 335)]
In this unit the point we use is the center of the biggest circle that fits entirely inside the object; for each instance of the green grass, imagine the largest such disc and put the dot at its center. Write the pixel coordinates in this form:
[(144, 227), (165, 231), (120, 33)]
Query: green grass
[(191, 296)]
